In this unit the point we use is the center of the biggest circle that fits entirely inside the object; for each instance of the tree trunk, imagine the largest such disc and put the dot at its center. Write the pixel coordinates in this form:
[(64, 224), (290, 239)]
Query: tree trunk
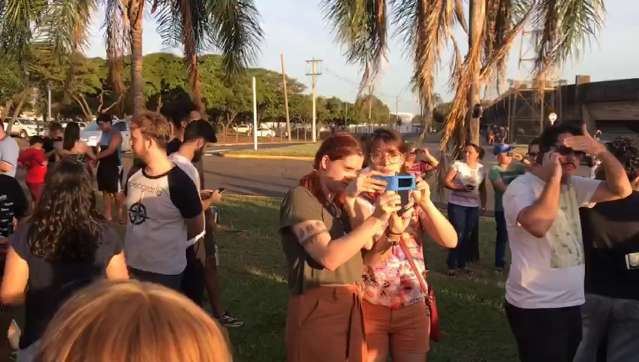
[(196, 85), (136, 11), (477, 18)]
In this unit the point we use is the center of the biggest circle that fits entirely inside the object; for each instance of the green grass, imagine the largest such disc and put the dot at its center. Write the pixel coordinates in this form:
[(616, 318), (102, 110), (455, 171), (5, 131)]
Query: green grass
[(303, 150), (254, 288)]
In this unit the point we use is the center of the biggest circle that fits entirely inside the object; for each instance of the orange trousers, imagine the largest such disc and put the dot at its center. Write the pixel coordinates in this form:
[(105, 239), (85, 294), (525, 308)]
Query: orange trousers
[(326, 324)]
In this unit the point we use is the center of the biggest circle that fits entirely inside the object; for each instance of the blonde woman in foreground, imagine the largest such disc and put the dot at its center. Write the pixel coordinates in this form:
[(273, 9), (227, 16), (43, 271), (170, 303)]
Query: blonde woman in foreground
[(132, 321)]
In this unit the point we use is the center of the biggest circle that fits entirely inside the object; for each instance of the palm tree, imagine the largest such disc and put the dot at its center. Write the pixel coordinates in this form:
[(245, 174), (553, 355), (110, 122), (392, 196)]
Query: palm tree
[(197, 25), (427, 28), (62, 25)]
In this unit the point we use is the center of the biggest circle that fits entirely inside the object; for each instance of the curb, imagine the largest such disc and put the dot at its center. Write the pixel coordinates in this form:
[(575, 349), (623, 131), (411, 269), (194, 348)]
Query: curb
[(268, 157)]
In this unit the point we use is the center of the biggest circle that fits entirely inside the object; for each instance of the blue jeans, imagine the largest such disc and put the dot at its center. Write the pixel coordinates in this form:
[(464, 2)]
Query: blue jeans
[(501, 240), (611, 324), (464, 220)]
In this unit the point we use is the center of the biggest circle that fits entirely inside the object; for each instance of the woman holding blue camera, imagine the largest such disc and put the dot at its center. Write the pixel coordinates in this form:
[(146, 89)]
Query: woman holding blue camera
[(395, 312), (466, 180)]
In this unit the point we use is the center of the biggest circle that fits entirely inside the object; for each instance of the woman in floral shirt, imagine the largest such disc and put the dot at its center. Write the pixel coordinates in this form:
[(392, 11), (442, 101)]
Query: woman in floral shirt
[(395, 313)]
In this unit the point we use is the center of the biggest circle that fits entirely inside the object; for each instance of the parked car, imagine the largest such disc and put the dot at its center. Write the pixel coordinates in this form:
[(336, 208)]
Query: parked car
[(23, 127), (91, 134), (242, 129), (265, 132)]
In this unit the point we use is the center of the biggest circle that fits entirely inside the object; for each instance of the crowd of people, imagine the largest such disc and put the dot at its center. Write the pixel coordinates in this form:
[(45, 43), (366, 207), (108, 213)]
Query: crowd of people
[(567, 234), (358, 276), (57, 243)]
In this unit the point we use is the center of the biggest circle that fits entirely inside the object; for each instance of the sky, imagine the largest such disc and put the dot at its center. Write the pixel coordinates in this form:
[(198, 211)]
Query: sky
[(298, 29)]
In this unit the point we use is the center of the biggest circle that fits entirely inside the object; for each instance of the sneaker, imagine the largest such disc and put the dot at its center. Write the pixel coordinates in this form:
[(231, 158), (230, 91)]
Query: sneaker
[(230, 322)]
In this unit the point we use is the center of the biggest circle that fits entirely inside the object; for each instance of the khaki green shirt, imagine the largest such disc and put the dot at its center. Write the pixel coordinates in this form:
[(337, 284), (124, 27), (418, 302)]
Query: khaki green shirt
[(298, 206)]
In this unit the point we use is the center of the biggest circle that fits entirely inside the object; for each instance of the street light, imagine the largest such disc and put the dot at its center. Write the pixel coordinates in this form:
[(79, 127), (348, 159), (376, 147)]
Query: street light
[(552, 117)]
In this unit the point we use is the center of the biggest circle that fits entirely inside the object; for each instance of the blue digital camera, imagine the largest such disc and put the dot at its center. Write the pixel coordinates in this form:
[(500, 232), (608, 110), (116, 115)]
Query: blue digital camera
[(398, 182)]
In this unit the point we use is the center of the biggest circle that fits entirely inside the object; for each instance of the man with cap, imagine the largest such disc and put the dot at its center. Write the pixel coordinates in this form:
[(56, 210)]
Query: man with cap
[(501, 175)]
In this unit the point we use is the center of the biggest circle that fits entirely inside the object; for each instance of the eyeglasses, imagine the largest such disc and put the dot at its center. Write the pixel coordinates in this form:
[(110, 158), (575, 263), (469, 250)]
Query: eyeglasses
[(392, 157), (533, 154), (565, 151)]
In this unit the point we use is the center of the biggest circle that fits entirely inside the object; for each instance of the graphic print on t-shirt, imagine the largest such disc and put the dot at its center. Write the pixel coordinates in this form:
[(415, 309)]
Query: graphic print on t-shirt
[(566, 241), (137, 213)]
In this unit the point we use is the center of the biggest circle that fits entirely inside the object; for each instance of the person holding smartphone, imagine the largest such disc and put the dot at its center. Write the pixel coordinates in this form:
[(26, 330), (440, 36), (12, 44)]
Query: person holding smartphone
[(466, 180), (395, 314), (545, 285), (201, 255)]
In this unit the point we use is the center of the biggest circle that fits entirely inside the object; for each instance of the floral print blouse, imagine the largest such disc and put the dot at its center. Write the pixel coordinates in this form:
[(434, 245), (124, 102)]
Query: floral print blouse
[(392, 282)]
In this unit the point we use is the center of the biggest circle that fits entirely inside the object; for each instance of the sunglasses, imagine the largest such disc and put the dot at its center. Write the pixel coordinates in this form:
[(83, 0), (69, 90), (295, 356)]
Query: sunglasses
[(532, 154), (565, 151)]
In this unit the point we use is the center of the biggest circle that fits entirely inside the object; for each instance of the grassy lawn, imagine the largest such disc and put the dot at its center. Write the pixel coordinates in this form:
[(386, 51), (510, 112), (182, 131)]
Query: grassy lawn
[(303, 150), (254, 288)]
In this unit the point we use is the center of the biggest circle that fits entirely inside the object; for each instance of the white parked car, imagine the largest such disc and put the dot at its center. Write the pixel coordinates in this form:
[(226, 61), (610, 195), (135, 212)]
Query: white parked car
[(91, 134), (242, 129), (265, 132), (23, 127)]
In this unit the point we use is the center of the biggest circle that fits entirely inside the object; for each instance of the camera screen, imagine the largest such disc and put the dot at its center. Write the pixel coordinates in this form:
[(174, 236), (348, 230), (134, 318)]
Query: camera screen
[(404, 182)]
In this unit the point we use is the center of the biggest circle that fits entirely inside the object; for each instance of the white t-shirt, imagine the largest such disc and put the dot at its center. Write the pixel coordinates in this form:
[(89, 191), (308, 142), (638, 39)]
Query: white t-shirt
[(188, 167), (547, 272), (467, 176), (156, 235), (9, 152)]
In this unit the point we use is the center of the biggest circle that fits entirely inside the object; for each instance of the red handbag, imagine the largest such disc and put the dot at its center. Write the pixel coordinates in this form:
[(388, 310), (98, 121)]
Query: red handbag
[(430, 300)]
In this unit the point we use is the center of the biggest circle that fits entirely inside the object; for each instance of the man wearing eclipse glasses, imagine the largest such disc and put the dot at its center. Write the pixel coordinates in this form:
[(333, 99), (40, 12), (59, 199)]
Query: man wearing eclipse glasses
[(545, 286)]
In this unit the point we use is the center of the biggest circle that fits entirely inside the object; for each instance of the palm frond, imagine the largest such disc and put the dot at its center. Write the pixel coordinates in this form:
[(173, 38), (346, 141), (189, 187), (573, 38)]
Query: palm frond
[(361, 26), (65, 25), (425, 26), (236, 32), (567, 26), (17, 21)]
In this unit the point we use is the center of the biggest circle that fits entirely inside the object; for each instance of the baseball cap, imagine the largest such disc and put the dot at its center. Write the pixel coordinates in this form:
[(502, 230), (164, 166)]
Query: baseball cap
[(502, 148)]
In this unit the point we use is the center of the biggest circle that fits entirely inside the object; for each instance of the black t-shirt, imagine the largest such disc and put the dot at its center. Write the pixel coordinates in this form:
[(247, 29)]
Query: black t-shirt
[(13, 204), (51, 283), (610, 232), (173, 146)]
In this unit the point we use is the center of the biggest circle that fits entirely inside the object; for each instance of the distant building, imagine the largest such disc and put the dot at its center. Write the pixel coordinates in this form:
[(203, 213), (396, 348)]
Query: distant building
[(612, 106)]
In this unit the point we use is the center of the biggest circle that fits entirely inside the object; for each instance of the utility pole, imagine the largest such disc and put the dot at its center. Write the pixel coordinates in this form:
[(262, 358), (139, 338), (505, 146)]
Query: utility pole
[(397, 110), (48, 102), (345, 115), (254, 115), (315, 71), (370, 102), (288, 120)]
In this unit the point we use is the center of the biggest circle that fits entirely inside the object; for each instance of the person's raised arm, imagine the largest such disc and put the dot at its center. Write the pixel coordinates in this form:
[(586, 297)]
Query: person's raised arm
[(616, 186), (116, 141), (316, 240), (365, 182), (432, 221), (430, 158), (540, 215)]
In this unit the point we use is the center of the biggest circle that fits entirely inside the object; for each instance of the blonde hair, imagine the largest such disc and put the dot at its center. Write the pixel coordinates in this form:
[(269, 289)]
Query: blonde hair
[(153, 125), (132, 321)]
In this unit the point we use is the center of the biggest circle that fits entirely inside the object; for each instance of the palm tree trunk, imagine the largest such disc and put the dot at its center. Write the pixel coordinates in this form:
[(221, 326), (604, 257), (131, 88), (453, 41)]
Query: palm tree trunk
[(136, 11), (196, 86), (477, 18)]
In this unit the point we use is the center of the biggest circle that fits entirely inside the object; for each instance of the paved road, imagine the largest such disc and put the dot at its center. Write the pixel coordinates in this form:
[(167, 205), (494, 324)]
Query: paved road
[(254, 176)]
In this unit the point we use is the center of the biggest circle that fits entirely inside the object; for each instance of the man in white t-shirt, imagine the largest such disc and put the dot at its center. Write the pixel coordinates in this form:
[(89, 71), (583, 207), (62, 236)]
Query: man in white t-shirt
[(545, 286), (9, 152), (201, 257), (163, 204)]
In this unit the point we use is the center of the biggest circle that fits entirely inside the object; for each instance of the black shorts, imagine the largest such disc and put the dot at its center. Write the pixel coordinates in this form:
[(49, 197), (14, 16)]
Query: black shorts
[(109, 178)]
